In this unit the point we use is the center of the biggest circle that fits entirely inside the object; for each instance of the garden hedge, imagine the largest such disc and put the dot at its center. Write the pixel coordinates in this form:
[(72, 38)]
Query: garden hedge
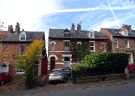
[(101, 64)]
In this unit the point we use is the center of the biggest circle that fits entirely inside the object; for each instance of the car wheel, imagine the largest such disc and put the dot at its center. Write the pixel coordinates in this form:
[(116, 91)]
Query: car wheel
[(2, 83)]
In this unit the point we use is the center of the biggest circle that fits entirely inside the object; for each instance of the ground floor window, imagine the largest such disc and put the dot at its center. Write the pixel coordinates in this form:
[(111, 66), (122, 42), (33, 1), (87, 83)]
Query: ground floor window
[(4, 67), (66, 61)]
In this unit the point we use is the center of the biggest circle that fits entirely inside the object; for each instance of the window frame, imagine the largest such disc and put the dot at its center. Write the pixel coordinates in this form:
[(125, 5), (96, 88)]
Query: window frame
[(52, 45), (22, 49), (127, 43), (67, 47), (22, 34), (92, 46)]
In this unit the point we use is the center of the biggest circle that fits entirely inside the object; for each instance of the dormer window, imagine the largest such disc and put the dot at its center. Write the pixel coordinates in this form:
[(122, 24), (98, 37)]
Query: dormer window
[(91, 34), (66, 33), (79, 43), (124, 32), (22, 36)]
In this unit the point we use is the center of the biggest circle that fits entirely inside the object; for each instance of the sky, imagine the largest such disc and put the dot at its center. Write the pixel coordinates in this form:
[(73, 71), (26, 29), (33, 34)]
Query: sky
[(40, 15)]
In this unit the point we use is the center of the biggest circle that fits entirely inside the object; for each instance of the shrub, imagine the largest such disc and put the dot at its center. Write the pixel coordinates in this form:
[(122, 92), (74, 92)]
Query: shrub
[(107, 62), (102, 63)]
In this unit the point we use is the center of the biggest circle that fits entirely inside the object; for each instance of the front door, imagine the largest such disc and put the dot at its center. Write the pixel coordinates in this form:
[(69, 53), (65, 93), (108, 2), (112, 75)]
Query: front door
[(52, 63), (66, 62)]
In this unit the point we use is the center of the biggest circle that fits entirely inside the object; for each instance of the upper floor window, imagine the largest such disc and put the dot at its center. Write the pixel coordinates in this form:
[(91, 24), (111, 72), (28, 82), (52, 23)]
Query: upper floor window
[(92, 46), (22, 36), (66, 45), (21, 49), (127, 43), (116, 44), (52, 45)]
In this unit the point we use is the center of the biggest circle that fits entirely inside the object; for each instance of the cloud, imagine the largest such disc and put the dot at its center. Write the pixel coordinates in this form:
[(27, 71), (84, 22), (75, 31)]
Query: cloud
[(105, 8), (27, 12), (109, 22)]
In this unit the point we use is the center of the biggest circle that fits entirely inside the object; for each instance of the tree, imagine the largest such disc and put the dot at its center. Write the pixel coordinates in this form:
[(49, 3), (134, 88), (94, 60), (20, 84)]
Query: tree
[(30, 60), (80, 50)]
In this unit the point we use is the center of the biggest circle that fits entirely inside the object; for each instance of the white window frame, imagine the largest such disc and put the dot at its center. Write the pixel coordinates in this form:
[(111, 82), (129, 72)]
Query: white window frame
[(117, 44), (67, 48), (22, 34), (127, 43), (68, 62), (52, 45), (79, 43), (92, 46), (91, 34)]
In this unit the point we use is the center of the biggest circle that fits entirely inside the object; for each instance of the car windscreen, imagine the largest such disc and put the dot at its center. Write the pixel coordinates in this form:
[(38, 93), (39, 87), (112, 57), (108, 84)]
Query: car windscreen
[(56, 71)]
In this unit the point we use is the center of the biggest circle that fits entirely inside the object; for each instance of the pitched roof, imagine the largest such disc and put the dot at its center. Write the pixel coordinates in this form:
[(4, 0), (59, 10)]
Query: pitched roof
[(59, 34), (116, 32), (14, 37)]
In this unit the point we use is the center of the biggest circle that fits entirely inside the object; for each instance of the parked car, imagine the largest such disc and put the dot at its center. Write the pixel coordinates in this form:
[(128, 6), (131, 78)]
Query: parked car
[(57, 75), (131, 67), (67, 70), (4, 78)]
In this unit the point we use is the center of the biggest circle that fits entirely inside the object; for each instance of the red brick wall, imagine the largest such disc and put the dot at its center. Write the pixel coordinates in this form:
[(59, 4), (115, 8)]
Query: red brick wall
[(122, 45), (11, 52), (109, 37), (121, 42), (60, 48)]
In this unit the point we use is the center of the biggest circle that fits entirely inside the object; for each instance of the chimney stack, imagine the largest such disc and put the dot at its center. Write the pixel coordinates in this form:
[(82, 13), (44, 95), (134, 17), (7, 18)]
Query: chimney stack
[(127, 27), (17, 27), (78, 27), (73, 27), (10, 29)]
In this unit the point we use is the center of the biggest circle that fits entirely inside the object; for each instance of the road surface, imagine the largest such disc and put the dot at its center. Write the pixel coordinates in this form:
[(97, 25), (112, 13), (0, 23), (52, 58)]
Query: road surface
[(119, 89)]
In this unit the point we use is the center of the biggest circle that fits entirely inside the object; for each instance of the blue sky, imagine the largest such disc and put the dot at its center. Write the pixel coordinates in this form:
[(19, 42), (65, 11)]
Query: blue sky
[(40, 15)]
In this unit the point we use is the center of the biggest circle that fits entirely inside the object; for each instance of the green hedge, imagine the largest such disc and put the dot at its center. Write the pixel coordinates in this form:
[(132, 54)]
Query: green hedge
[(101, 63)]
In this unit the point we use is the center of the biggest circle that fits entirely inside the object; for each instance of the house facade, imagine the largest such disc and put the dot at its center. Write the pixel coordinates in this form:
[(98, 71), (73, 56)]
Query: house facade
[(15, 43), (60, 41), (121, 40)]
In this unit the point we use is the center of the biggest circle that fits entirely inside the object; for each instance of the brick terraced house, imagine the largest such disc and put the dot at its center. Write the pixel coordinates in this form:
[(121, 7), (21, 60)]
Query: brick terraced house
[(14, 43), (121, 40), (59, 53)]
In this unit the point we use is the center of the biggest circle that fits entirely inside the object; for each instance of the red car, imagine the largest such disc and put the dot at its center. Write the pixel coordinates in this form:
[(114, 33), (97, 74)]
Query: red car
[(131, 67), (4, 78)]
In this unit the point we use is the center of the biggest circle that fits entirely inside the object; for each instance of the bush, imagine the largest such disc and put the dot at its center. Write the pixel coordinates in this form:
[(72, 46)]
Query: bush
[(107, 63), (102, 63)]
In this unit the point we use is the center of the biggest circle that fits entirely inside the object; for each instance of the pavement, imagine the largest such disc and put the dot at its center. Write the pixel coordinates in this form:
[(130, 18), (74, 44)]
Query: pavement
[(68, 86)]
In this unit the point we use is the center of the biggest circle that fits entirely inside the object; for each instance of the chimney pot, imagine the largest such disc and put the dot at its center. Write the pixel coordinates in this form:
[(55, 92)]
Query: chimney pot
[(10, 29), (73, 27), (17, 27), (78, 27)]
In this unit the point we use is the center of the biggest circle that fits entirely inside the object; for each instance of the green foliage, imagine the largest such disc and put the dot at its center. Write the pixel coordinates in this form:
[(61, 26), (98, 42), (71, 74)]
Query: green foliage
[(79, 51), (102, 63), (21, 62), (106, 60), (29, 62), (83, 50)]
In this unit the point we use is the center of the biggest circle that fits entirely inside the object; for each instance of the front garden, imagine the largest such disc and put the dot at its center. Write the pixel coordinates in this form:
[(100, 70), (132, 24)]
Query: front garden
[(100, 66)]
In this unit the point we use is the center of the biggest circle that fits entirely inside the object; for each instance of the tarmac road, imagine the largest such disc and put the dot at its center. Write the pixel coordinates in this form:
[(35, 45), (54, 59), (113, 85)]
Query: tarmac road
[(124, 88)]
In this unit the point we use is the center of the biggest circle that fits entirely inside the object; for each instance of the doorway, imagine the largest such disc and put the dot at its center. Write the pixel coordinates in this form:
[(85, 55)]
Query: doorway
[(52, 63)]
